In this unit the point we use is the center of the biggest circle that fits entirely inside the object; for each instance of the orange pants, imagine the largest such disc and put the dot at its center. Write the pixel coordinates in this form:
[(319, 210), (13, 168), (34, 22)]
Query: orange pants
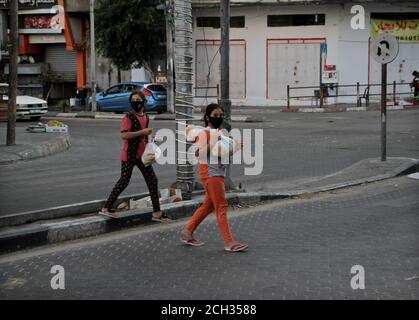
[(214, 199)]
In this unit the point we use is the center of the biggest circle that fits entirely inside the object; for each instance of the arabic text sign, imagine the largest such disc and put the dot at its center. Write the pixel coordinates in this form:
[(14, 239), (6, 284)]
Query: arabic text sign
[(29, 4), (403, 30)]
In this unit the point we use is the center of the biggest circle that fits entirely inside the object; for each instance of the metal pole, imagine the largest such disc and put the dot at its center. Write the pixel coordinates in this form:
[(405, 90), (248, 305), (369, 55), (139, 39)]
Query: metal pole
[(169, 53), (13, 50), (383, 112), (288, 96), (92, 55), (394, 92), (357, 95)]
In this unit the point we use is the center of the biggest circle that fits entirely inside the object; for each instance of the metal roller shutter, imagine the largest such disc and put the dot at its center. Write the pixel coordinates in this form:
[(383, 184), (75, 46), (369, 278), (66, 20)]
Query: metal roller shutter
[(63, 63)]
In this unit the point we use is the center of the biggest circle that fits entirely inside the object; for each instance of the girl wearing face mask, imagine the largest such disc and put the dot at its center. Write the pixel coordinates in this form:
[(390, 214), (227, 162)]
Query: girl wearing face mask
[(135, 132), (212, 173)]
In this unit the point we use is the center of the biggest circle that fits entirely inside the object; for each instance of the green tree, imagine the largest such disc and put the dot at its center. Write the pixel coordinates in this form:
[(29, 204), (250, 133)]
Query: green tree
[(131, 33)]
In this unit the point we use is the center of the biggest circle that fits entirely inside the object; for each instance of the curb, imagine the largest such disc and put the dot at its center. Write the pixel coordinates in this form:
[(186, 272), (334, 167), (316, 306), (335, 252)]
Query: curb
[(65, 211), (47, 148), (93, 225), (170, 116), (162, 117), (350, 109)]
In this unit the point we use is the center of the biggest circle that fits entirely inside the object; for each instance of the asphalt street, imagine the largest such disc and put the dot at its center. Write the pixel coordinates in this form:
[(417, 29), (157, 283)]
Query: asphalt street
[(297, 146), (298, 249)]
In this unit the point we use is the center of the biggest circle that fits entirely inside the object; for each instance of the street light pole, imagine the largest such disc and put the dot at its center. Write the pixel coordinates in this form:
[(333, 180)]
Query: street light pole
[(92, 54), (13, 51)]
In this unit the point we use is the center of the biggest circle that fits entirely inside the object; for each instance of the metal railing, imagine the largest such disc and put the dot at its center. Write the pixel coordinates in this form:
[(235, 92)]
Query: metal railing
[(323, 92), (206, 90)]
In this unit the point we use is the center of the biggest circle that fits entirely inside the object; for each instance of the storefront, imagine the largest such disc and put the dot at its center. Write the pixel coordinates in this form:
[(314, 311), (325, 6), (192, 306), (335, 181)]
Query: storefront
[(275, 44), (52, 48)]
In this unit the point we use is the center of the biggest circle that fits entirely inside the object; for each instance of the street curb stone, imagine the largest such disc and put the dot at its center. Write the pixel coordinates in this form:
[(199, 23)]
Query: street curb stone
[(199, 117), (46, 148), (349, 109), (158, 117)]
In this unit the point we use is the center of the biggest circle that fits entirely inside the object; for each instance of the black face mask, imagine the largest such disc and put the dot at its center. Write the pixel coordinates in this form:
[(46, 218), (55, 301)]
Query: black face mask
[(216, 122), (137, 105)]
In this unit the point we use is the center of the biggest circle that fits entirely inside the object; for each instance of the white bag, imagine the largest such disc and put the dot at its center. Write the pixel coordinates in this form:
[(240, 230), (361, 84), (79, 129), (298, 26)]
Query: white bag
[(193, 131), (224, 147), (151, 153)]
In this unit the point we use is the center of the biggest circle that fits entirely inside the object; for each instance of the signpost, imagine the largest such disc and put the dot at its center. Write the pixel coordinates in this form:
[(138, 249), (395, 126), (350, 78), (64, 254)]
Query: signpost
[(384, 49)]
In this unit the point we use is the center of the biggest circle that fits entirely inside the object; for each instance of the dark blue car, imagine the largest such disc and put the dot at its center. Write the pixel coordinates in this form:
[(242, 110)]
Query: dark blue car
[(116, 97)]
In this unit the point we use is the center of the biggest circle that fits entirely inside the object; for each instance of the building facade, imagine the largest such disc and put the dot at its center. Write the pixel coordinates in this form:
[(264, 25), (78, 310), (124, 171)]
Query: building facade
[(275, 44), (54, 50)]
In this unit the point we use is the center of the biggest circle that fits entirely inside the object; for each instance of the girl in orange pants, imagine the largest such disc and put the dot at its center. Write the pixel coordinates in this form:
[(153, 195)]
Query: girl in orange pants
[(212, 174)]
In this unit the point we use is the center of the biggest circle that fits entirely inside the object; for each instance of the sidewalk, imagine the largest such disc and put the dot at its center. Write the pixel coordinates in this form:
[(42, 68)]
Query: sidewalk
[(81, 220), (31, 145), (298, 249)]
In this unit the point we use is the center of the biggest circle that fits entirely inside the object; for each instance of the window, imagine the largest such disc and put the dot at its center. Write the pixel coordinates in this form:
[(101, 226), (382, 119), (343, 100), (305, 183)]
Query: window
[(237, 22), (114, 90), (156, 87), (131, 88), (214, 22), (293, 20)]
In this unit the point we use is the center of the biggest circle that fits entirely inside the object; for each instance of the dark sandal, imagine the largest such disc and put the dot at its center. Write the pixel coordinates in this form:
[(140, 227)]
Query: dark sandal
[(163, 218)]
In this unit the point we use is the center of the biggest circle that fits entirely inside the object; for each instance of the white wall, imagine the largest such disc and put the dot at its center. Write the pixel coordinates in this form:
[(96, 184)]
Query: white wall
[(140, 75), (347, 48)]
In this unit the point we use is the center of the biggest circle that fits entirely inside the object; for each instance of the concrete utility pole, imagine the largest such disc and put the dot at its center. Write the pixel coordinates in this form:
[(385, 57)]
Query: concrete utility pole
[(92, 54), (225, 101), (169, 53), (13, 51), (183, 92)]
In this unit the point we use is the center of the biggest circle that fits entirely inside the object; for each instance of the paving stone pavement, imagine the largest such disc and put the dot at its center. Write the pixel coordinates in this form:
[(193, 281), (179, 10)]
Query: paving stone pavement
[(299, 249)]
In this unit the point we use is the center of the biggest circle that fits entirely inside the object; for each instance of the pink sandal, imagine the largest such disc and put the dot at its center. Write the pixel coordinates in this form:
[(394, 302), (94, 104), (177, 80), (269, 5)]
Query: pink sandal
[(236, 247), (192, 242)]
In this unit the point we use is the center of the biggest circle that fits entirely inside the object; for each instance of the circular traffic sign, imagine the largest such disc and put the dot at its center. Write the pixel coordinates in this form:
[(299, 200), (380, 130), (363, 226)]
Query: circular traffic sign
[(385, 48)]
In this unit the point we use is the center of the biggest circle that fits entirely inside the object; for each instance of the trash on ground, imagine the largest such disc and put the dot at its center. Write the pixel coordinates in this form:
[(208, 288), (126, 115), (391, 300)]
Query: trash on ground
[(168, 195), (36, 128), (414, 176), (405, 103), (122, 206)]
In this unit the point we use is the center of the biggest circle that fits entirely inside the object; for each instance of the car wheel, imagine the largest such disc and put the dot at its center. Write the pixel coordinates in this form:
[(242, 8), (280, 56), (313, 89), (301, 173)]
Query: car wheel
[(35, 118)]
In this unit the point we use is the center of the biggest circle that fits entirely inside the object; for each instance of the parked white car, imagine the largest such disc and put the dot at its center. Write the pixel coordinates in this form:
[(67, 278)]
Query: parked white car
[(26, 106)]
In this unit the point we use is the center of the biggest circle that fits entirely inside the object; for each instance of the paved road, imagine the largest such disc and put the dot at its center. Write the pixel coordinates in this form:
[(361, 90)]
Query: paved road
[(299, 249), (296, 146)]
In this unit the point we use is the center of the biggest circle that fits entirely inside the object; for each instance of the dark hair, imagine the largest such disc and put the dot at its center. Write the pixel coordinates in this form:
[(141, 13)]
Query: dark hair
[(415, 73), (210, 108), (134, 93)]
